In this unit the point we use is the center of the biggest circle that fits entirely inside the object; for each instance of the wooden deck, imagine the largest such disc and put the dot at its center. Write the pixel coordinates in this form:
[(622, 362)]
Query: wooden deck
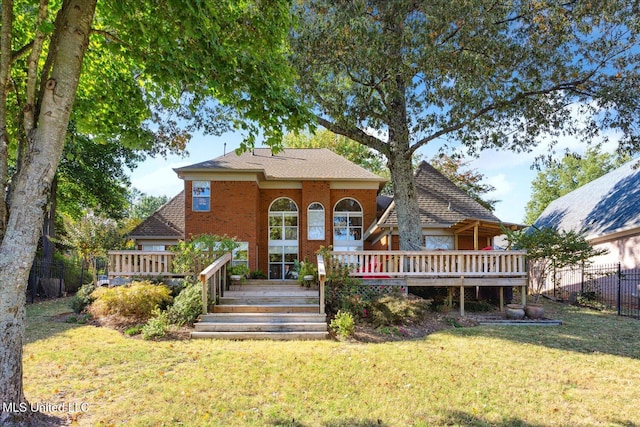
[(450, 269)]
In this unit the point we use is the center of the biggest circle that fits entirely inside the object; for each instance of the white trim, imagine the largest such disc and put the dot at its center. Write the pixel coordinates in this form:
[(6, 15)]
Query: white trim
[(352, 185)]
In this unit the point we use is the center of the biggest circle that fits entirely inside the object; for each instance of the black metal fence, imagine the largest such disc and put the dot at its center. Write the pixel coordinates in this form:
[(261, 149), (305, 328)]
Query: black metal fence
[(52, 279), (601, 286)]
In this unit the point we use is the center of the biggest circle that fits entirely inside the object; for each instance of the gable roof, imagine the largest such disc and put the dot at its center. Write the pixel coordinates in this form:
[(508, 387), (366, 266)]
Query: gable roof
[(290, 164), (607, 205), (441, 202), (166, 222)]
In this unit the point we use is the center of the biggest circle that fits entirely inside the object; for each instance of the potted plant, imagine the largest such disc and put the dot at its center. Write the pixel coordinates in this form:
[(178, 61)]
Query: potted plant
[(238, 273), (307, 272)]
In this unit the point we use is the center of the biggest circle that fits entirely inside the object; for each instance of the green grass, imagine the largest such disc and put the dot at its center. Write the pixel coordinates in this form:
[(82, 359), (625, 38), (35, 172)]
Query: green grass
[(584, 373)]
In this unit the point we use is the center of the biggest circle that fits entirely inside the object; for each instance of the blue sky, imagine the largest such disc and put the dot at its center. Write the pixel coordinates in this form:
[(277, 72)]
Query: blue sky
[(508, 172)]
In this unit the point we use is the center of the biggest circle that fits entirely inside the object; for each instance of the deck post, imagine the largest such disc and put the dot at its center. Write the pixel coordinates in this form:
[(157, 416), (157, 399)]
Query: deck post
[(462, 296), (501, 298)]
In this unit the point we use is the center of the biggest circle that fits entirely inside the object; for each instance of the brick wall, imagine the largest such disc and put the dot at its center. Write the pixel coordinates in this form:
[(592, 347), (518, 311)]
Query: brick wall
[(233, 211), (241, 209)]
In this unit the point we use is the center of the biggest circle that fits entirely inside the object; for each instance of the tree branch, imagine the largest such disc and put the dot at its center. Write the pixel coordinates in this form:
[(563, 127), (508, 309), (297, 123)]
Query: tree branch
[(353, 133), (572, 86), (106, 34), (32, 71), (5, 68)]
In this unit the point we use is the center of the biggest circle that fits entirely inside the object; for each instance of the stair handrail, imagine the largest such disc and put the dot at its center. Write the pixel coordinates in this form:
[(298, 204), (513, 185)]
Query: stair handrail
[(322, 277), (217, 271)]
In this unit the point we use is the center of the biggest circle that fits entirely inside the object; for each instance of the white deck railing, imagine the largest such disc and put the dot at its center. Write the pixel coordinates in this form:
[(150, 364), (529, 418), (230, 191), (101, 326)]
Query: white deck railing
[(140, 263), (432, 263)]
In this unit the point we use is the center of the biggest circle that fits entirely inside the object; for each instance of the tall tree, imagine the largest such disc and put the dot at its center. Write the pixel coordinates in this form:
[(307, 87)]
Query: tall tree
[(142, 205), (396, 75), (164, 59), (560, 178)]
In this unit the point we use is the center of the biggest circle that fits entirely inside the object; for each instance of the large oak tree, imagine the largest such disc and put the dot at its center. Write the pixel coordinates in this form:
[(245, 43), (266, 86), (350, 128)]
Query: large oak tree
[(142, 73), (396, 75)]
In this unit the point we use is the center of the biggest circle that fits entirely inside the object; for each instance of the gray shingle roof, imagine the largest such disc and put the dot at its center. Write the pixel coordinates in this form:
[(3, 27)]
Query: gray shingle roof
[(604, 206), (290, 164), (167, 221), (441, 202)]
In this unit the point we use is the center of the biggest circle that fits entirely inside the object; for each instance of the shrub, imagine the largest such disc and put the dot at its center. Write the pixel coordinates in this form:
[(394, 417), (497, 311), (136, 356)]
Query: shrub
[(396, 310), (187, 306), (83, 298), (137, 300), (194, 256), (157, 326), (343, 324)]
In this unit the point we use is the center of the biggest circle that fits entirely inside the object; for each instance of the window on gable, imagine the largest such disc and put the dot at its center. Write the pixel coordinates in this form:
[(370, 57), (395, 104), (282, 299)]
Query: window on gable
[(315, 222), (201, 196)]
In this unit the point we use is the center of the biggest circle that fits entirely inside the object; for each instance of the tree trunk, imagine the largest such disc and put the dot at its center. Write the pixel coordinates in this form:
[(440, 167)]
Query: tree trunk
[(28, 199), (48, 231), (406, 202)]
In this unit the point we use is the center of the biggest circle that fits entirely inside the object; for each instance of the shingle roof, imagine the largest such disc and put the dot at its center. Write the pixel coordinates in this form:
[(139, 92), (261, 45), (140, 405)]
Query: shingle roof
[(292, 163), (441, 202), (167, 221), (604, 206)]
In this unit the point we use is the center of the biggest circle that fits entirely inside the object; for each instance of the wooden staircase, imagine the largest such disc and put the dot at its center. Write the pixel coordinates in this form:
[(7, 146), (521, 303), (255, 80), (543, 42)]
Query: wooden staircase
[(260, 309)]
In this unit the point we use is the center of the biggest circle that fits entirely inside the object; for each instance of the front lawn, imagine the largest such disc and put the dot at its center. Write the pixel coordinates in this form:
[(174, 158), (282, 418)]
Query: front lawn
[(584, 373)]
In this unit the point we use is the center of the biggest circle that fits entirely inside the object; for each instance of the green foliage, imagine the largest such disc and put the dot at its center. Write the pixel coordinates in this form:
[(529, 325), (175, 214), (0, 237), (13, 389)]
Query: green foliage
[(141, 205), (560, 178), (549, 249), (138, 300), (157, 326), (343, 324), (83, 297), (305, 268), (195, 255), (134, 330), (397, 310), (257, 274), (92, 236), (239, 270), (187, 305), (79, 319), (341, 145)]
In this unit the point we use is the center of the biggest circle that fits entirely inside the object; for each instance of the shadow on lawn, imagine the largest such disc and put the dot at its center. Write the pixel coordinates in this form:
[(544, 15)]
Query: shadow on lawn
[(451, 418), (45, 319), (583, 331)]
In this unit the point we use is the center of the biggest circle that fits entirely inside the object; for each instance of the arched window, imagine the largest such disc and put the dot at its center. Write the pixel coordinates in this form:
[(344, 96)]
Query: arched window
[(283, 238), (347, 225), (315, 221)]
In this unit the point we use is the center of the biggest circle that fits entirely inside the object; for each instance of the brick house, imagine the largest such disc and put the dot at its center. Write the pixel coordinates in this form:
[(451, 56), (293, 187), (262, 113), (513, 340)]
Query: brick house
[(283, 207)]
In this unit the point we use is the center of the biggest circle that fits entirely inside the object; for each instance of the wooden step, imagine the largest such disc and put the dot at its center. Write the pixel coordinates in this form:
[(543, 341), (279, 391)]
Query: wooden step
[(291, 287), (295, 335), (263, 317), (268, 300), (261, 327), (267, 308)]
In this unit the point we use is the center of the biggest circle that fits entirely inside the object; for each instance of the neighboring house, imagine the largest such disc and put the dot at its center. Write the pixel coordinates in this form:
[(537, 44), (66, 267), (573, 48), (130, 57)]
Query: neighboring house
[(607, 210), (283, 207), (164, 228)]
